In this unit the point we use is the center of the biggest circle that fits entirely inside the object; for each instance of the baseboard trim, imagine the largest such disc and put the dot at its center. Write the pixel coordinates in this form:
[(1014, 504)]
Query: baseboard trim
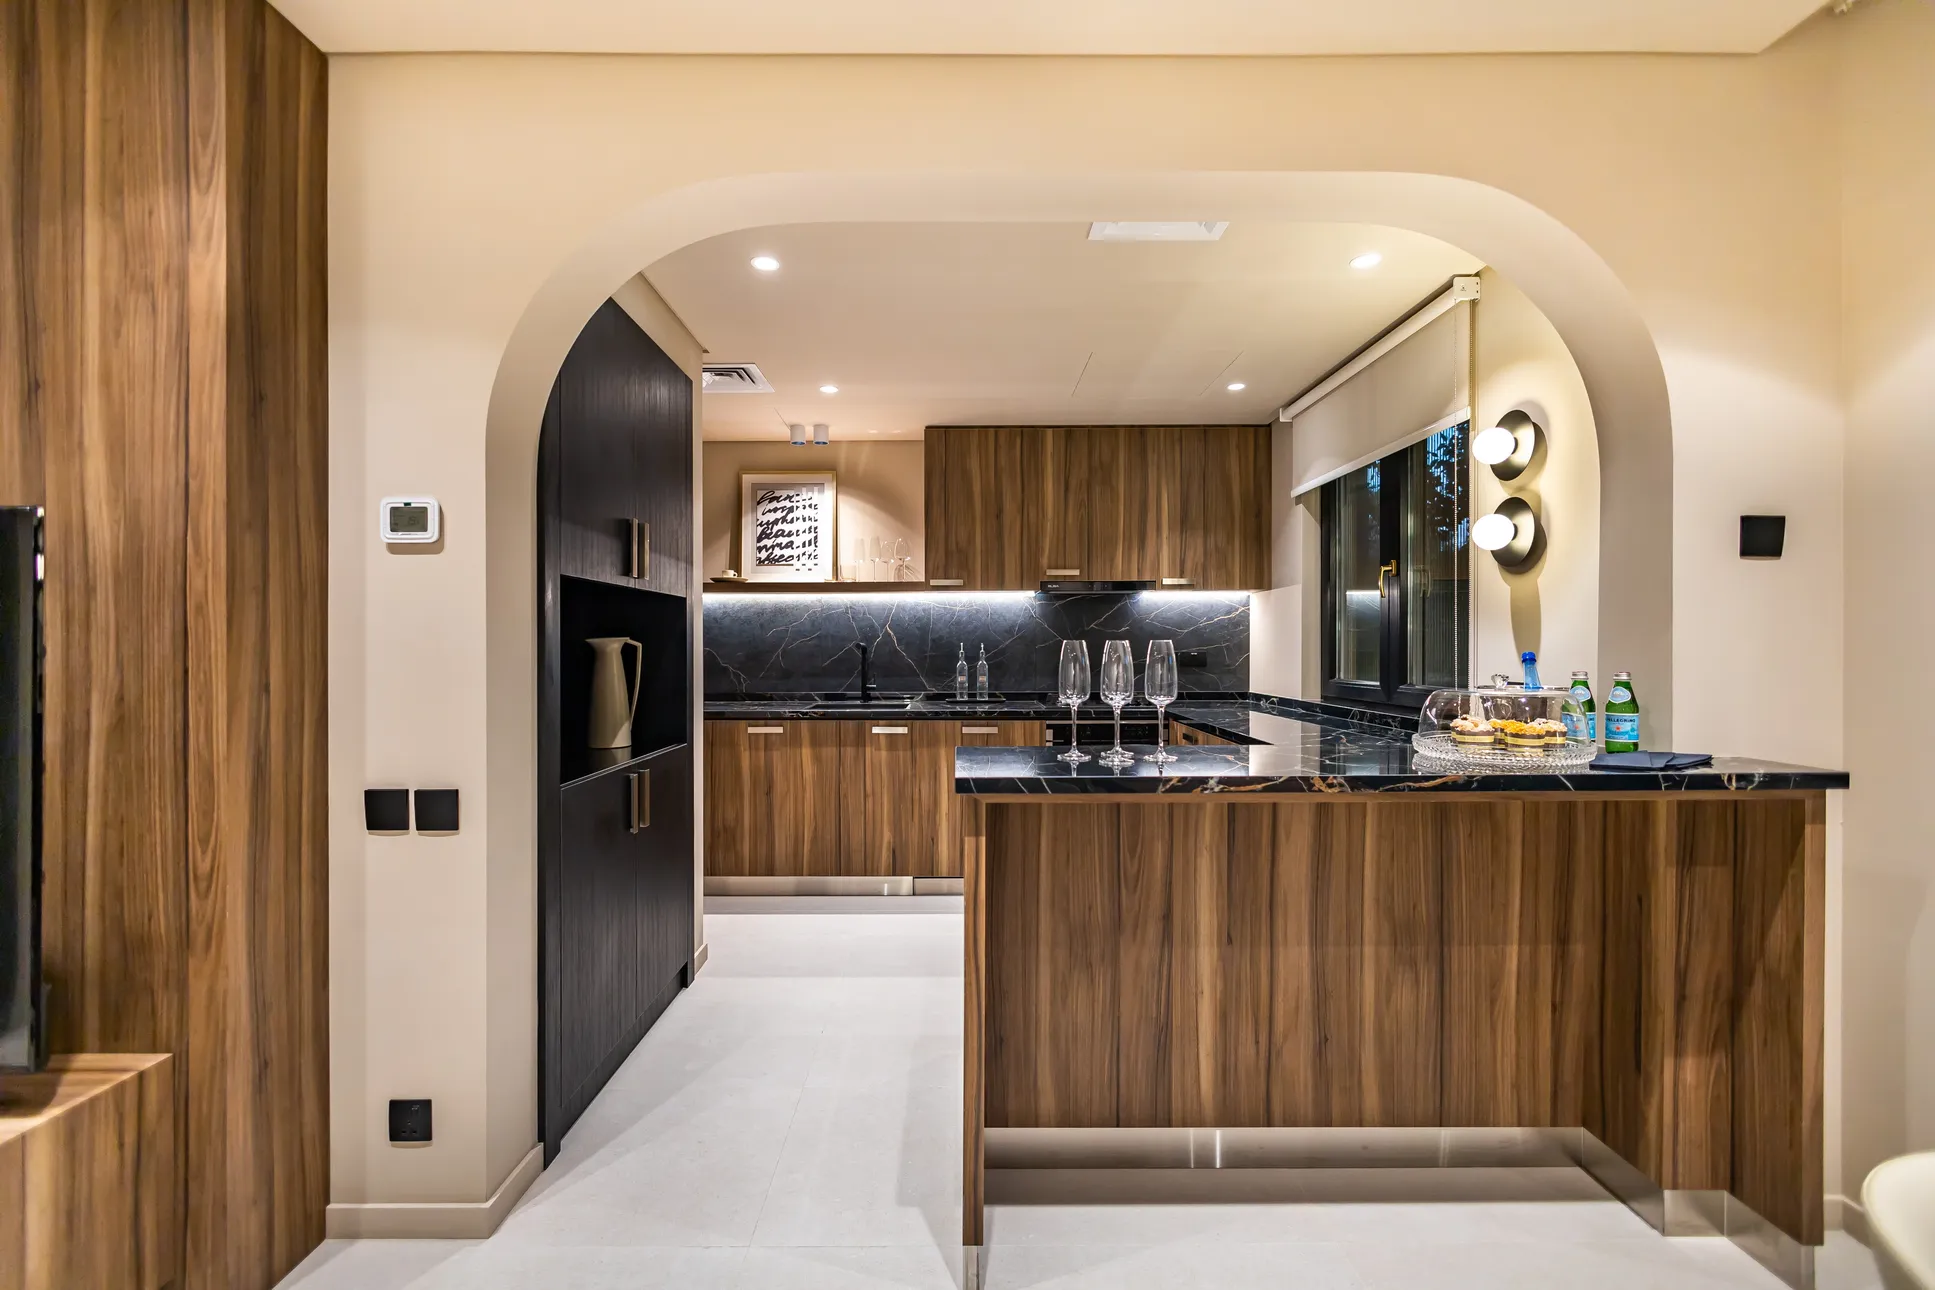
[(699, 957), (1845, 1214), (435, 1220)]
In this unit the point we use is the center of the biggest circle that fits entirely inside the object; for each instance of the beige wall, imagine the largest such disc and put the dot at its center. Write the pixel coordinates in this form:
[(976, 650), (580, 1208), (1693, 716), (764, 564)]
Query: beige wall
[(1887, 304), (881, 493), (1552, 607), (1666, 214)]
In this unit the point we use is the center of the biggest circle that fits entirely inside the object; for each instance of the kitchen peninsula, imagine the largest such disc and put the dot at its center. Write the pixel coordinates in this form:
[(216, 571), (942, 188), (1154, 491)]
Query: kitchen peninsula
[(1307, 929)]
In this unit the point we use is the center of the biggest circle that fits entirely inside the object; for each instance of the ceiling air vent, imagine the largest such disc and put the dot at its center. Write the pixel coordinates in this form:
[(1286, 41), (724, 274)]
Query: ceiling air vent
[(735, 378), (1171, 230)]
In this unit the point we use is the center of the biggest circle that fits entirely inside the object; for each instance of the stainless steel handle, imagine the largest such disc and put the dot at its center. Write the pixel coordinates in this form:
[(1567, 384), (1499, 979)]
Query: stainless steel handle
[(765, 730), (641, 791), (638, 556), (890, 730), (1178, 582), (947, 582), (980, 730), (631, 548), (1062, 573)]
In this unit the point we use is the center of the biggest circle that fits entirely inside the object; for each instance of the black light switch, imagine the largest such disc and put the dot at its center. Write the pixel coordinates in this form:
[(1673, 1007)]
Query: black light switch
[(386, 810), (1762, 537), (409, 1119), (436, 810)]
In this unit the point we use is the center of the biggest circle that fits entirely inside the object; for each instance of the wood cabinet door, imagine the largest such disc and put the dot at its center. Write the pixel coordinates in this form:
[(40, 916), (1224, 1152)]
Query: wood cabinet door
[(1192, 737), (1004, 734), (597, 451), (663, 451), (773, 805), (598, 911), (1059, 493), (947, 522), (1120, 501), (910, 820), (1213, 496), (662, 850)]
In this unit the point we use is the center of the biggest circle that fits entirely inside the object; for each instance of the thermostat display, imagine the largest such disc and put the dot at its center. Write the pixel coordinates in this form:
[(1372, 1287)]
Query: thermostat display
[(410, 519)]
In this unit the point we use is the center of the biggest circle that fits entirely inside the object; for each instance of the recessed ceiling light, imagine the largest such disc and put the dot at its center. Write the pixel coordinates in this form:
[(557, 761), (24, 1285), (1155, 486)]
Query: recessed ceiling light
[(1368, 260), (1234, 386), (765, 264), (829, 389)]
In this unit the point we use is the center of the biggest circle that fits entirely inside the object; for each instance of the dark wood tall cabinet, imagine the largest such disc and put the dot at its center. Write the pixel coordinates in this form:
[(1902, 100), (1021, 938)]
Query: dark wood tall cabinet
[(615, 827)]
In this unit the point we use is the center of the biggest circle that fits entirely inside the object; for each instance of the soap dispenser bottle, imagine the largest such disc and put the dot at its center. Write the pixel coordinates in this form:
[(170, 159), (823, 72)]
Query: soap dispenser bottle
[(960, 672), (981, 675)]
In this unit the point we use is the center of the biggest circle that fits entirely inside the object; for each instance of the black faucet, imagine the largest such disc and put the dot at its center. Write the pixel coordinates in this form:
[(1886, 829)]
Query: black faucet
[(866, 670)]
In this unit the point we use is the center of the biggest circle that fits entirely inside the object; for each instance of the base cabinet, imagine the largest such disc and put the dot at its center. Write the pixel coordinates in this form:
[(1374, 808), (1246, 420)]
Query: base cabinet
[(840, 798)]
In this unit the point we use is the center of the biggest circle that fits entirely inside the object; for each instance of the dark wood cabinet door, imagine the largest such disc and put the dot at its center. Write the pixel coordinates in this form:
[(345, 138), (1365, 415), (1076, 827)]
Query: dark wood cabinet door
[(598, 906), (595, 404), (664, 455), (662, 851), (908, 804)]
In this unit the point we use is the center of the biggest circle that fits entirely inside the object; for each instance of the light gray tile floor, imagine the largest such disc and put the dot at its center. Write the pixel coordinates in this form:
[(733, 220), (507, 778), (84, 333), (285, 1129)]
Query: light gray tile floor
[(793, 1121)]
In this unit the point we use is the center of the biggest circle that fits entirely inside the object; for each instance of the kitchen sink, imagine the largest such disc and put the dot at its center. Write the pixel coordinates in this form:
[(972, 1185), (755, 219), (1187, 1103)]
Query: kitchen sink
[(855, 701)]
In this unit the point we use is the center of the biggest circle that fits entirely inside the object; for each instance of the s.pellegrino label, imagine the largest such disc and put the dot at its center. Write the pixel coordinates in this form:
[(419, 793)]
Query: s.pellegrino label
[(1583, 724), (1622, 716)]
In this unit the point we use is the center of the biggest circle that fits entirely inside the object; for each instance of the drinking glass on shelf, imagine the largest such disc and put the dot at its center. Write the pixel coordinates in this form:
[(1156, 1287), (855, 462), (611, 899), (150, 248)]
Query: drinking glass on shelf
[(903, 561), (1073, 681), (1159, 684), (1118, 687), (880, 549), (859, 559)]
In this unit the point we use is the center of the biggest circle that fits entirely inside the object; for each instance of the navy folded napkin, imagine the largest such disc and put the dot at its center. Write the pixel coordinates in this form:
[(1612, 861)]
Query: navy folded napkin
[(1651, 761)]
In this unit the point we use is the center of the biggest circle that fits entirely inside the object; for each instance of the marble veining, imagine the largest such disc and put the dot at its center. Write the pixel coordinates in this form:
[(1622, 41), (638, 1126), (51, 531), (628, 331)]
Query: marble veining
[(768, 645)]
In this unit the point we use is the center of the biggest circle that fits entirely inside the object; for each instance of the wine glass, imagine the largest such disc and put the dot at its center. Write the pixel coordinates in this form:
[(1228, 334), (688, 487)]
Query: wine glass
[(859, 559), (1159, 684), (1074, 689), (902, 561), (1118, 687), (880, 549)]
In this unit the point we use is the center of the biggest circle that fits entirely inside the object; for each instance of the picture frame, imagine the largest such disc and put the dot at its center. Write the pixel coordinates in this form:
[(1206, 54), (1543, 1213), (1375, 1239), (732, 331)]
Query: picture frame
[(787, 526)]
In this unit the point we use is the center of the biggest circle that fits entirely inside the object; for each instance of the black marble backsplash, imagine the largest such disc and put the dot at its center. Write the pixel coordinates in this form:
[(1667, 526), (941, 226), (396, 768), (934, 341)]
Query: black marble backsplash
[(760, 644)]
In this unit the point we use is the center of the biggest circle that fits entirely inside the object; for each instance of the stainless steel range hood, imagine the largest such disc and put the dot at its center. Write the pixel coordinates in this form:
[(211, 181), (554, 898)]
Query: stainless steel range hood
[(1094, 586)]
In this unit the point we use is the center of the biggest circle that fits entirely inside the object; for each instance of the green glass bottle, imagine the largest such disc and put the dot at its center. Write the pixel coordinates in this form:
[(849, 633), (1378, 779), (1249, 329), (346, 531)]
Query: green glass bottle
[(1622, 715), (1586, 724)]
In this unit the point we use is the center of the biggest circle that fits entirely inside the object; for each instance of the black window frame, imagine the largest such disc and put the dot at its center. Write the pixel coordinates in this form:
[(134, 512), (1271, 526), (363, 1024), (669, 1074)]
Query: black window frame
[(1392, 692)]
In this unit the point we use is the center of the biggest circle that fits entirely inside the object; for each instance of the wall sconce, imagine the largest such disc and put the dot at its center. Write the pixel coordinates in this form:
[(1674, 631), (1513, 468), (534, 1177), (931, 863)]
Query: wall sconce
[(1509, 533), (820, 433), (798, 434), (1508, 446)]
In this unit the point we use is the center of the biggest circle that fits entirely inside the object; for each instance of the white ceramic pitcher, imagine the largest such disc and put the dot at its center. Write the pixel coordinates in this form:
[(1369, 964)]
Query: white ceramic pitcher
[(612, 709)]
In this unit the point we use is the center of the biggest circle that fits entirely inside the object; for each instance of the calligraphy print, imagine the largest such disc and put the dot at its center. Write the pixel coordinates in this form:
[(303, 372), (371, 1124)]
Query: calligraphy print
[(786, 526)]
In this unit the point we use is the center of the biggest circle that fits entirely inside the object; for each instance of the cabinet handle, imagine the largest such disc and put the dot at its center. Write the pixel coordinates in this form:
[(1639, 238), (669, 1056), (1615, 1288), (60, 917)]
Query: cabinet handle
[(947, 582), (980, 730), (890, 730), (1063, 573), (641, 790), (765, 730), (1178, 582), (640, 555)]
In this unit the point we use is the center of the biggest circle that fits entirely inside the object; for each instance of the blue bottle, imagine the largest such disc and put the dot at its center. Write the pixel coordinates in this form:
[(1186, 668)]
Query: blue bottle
[(1531, 662)]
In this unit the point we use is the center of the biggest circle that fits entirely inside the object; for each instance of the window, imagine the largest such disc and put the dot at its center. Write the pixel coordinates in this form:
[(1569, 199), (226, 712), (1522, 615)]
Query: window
[(1396, 575)]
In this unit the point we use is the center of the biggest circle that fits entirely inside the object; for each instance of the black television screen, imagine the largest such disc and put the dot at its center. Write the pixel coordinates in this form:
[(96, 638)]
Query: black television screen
[(23, 1028)]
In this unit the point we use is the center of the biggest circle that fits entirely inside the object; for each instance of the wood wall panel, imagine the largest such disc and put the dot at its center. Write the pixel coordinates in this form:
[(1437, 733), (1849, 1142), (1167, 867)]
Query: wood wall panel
[(1402, 949), (1317, 1015), (1700, 1094), (162, 393)]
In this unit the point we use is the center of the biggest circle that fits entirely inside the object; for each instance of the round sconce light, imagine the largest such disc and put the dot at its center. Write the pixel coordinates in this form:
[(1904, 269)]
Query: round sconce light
[(1508, 446), (1509, 532)]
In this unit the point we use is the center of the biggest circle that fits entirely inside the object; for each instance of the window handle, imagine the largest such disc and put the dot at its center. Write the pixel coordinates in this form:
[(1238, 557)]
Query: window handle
[(1387, 569)]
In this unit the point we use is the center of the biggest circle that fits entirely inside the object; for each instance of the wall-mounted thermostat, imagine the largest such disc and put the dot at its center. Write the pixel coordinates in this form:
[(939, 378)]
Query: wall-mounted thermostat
[(410, 519)]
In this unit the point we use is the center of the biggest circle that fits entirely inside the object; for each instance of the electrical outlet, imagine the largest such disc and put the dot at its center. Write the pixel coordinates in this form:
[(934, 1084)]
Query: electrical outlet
[(409, 1119)]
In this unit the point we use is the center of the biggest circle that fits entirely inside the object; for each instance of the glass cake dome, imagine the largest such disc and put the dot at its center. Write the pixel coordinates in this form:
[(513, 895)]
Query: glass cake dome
[(1503, 727)]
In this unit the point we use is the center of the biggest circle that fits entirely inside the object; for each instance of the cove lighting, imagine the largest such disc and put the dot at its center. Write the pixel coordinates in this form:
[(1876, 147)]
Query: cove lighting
[(1368, 260), (829, 389), (765, 264), (1234, 386)]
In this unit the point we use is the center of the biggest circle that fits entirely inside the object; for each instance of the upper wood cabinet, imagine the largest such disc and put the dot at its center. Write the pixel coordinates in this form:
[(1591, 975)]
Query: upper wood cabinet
[(1186, 506)]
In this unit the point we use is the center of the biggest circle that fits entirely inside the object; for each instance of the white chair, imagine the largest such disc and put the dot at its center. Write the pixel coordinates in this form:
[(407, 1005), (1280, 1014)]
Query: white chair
[(1900, 1199)]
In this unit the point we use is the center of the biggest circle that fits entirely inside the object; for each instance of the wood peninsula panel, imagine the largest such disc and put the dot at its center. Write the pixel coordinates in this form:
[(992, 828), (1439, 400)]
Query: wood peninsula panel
[(1318, 1016), (1402, 951), (974, 1028), (88, 1188)]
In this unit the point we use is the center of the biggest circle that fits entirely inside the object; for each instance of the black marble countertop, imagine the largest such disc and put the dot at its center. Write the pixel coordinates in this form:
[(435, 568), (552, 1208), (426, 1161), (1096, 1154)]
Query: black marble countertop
[(1011, 707)]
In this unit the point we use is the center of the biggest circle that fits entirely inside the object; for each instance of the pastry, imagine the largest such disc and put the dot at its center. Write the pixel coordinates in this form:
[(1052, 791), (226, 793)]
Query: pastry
[(1554, 731), (1472, 731), (1523, 737)]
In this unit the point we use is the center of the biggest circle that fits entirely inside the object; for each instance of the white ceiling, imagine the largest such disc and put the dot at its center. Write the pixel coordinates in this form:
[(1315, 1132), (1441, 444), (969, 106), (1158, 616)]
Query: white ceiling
[(1032, 324), (1047, 26)]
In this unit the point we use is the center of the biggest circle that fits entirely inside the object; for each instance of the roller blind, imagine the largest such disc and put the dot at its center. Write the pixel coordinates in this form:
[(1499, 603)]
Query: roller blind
[(1412, 392)]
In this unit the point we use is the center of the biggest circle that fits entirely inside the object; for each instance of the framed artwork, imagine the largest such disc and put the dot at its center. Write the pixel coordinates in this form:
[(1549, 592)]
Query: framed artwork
[(786, 531)]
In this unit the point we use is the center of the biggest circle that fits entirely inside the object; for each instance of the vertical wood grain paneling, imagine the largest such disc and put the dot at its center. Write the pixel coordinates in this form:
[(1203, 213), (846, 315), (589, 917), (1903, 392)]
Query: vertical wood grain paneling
[(1779, 893), (1403, 945), (162, 393), (1317, 1014), (1701, 1063), (974, 1026), (1145, 1041), (1633, 1042)]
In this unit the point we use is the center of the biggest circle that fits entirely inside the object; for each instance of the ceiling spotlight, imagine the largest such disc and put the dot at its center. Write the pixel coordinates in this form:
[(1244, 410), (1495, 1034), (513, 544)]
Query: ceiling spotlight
[(1368, 260), (829, 389), (765, 264), (798, 434), (1509, 533), (820, 433), (1234, 386), (1508, 446)]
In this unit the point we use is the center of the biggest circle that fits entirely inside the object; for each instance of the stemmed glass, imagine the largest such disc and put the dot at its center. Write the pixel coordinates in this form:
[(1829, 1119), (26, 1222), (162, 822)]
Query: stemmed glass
[(903, 563), (1159, 683), (1074, 689), (1118, 687)]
